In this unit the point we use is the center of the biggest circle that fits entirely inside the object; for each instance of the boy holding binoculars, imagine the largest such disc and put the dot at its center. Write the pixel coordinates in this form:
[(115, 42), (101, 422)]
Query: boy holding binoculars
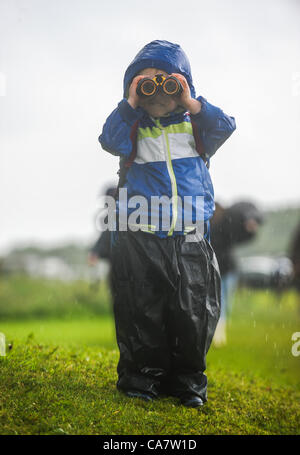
[(162, 103), (165, 280)]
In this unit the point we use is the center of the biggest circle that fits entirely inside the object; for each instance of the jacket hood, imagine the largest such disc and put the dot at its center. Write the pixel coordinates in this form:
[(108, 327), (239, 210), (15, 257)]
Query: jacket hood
[(163, 55)]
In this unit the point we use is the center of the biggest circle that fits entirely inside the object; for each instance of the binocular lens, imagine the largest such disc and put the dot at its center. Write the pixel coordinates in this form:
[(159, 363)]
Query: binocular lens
[(171, 86), (148, 88)]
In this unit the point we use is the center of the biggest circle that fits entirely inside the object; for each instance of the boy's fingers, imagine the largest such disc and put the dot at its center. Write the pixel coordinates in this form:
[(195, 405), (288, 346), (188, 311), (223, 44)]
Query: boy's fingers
[(136, 80), (133, 98), (181, 78)]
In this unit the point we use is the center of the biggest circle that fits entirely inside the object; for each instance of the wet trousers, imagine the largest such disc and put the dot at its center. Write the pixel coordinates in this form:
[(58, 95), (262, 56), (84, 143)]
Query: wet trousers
[(166, 300)]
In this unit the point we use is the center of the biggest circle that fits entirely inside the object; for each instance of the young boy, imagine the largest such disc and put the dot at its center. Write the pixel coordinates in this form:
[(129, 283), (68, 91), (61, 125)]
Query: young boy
[(166, 283)]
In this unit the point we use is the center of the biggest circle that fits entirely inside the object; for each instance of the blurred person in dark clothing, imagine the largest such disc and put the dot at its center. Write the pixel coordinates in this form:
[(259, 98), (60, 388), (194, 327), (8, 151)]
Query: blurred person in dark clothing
[(101, 248), (230, 227), (294, 254)]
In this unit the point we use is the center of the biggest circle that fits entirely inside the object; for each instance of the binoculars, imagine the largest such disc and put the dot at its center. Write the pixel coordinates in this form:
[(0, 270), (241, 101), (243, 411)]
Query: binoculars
[(149, 87)]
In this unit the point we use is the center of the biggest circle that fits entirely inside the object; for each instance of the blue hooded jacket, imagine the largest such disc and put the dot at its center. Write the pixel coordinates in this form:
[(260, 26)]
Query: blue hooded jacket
[(167, 162), (163, 55)]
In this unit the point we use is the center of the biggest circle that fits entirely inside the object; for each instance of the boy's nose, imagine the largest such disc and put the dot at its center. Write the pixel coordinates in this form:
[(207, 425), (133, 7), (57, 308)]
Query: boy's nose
[(161, 96)]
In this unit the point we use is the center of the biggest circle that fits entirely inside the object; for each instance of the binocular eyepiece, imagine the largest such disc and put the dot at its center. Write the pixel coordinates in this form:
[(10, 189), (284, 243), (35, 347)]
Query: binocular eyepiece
[(149, 87)]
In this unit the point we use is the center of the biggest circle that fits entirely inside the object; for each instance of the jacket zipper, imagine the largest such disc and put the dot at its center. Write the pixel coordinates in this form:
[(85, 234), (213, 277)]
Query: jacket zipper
[(172, 177)]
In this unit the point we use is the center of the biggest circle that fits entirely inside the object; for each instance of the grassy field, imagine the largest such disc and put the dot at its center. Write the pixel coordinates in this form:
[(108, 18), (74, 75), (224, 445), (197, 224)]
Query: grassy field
[(59, 376)]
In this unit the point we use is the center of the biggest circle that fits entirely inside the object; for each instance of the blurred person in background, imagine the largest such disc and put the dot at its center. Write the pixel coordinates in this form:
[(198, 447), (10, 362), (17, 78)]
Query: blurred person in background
[(294, 254), (230, 227), (101, 248)]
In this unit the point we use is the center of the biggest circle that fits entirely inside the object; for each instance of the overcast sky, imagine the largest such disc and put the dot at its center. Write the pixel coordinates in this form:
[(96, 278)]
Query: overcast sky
[(61, 70)]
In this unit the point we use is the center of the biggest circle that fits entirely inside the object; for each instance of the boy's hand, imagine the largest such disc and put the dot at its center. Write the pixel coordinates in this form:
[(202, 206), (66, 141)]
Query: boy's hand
[(133, 98), (92, 259), (185, 99)]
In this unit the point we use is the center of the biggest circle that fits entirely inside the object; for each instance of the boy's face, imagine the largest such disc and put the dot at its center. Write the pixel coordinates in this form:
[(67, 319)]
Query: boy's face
[(160, 104)]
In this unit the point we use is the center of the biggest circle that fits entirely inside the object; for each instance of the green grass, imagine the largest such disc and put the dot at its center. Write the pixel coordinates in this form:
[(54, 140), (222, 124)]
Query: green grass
[(64, 391), (59, 377), (85, 331), (259, 338), (22, 298)]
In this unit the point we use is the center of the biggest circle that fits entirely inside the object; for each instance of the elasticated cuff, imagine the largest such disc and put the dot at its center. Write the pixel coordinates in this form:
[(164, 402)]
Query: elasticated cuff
[(128, 114), (202, 111)]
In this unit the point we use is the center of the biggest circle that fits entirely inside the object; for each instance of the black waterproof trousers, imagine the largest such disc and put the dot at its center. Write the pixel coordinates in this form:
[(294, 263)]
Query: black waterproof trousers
[(166, 297)]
